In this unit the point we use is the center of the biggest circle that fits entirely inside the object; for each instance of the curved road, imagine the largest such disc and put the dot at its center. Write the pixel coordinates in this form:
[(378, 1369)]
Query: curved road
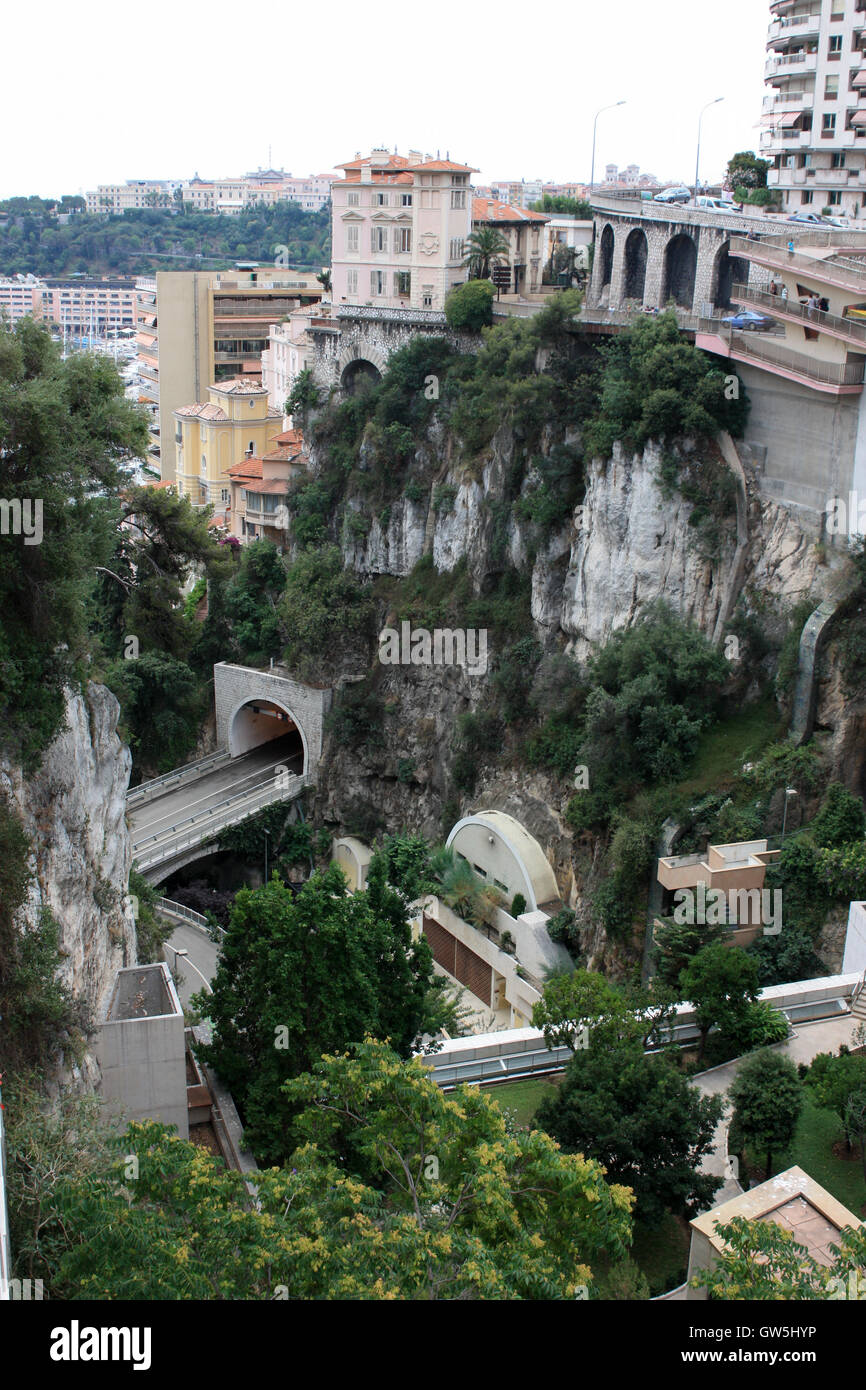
[(202, 953)]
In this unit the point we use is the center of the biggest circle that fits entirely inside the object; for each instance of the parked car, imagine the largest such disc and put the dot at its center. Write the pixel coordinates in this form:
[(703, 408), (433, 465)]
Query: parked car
[(815, 219), (749, 320), (717, 204), (677, 194)]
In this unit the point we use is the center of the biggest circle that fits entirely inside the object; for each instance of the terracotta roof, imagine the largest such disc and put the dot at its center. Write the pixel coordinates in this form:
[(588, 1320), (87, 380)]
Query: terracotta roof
[(381, 178), (247, 468), (445, 165), (288, 437), (268, 485), (203, 410), (165, 482), (489, 210), (238, 386), (387, 161), (286, 453)]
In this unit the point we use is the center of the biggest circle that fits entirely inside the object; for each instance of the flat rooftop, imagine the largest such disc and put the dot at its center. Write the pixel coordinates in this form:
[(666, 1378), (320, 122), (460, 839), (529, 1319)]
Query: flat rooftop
[(142, 991)]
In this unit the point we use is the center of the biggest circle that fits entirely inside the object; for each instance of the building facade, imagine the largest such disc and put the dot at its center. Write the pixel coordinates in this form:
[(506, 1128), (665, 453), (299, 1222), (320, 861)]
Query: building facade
[(524, 232), (211, 436), (814, 113), (227, 195), (399, 229)]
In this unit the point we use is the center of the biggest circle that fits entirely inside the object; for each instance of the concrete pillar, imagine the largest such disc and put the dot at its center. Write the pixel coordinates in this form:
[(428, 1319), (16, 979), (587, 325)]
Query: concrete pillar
[(617, 274), (656, 243)]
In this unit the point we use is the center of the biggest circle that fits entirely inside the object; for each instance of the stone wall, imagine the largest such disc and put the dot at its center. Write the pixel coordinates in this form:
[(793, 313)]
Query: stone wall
[(365, 333), (307, 705)]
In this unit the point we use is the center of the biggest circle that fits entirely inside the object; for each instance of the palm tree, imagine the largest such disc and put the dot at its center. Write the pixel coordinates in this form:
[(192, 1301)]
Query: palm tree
[(462, 889), (484, 247)]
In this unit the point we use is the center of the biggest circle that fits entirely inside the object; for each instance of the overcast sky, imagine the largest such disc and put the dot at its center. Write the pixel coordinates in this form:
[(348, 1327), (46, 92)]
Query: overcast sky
[(102, 92)]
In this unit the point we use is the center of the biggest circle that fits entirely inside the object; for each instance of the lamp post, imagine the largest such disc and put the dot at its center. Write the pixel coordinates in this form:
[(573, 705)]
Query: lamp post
[(789, 792), (594, 127), (181, 951), (714, 102)]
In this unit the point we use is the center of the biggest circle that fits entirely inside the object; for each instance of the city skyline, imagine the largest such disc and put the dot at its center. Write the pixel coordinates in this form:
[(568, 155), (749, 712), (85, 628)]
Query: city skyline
[(546, 133)]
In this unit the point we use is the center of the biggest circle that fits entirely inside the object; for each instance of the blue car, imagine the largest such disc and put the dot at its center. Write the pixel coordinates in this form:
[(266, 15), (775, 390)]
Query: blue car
[(749, 320)]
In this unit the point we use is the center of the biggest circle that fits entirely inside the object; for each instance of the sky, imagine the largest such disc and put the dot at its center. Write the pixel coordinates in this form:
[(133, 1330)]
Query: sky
[(107, 92)]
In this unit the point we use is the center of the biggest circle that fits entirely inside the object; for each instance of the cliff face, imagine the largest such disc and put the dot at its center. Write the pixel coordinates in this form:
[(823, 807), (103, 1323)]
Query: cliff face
[(74, 812)]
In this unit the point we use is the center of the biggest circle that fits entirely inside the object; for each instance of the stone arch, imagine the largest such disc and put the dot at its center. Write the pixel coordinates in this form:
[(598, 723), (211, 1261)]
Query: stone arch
[(359, 375), (680, 270), (606, 248), (257, 720), (636, 256), (728, 270)]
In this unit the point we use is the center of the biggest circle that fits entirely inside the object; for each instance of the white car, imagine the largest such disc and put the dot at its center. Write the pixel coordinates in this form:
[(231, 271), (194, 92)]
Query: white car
[(717, 204)]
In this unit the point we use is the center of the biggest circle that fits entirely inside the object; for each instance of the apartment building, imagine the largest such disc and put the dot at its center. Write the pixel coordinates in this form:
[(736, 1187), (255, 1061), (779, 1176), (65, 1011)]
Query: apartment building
[(147, 365), (286, 355), (523, 230), (214, 326), (814, 115), (210, 436), (115, 198), (259, 487), (399, 229), (85, 307), (19, 296)]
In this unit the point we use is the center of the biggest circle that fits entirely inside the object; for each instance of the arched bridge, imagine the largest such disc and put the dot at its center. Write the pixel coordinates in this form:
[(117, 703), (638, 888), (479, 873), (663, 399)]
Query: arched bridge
[(269, 732)]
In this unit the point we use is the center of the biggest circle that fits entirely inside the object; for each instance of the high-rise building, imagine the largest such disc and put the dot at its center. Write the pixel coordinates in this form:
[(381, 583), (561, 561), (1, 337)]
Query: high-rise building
[(815, 109)]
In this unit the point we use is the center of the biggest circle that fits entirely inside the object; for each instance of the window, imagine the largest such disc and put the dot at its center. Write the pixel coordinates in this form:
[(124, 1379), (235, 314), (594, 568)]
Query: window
[(204, 463), (377, 282), (353, 200), (834, 198), (403, 239), (831, 88), (224, 494), (455, 251), (379, 238), (352, 282), (834, 52), (251, 447), (352, 246), (380, 200), (406, 200), (458, 198), (838, 159), (402, 283), (806, 196), (427, 296), (828, 126)]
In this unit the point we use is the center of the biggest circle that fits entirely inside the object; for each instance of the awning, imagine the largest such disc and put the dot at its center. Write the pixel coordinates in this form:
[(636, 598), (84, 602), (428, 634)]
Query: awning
[(859, 117), (860, 79), (252, 365), (790, 119)]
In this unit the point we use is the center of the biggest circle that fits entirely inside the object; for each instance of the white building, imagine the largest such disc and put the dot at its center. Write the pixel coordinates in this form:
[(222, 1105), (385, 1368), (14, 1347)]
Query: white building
[(20, 295), (286, 355), (814, 114)]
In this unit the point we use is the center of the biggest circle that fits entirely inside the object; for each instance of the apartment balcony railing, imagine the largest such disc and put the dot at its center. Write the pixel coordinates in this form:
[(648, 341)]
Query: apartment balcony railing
[(148, 373), (793, 26), (852, 330)]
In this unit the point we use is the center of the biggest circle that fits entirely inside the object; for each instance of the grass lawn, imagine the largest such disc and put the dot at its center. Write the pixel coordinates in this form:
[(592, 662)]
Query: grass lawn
[(722, 748), (523, 1097), (812, 1150)]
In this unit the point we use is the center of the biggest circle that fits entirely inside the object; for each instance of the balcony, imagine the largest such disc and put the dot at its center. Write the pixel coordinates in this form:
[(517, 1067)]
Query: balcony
[(792, 311), (793, 27), (833, 378), (783, 65)]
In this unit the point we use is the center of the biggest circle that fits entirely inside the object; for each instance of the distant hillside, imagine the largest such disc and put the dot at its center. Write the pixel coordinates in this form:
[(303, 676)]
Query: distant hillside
[(150, 239)]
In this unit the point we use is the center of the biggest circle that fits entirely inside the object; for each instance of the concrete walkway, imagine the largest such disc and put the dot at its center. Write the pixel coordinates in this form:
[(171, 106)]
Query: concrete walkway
[(826, 1035)]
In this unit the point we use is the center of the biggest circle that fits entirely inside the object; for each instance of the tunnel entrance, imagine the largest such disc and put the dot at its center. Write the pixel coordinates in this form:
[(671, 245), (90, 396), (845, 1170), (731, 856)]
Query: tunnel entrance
[(264, 723), (359, 377)]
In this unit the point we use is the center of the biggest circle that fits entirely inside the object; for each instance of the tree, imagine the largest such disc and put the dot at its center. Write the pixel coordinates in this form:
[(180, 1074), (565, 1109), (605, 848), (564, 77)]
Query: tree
[(66, 433), (677, 943), (855, 1121), (571, 207), (572, 1004), (455, 1207), (840, 820), (762, 1260), (642, 1119), (303, 397), (767, 1096), (721, 982), (299, 975), (325, 614), (162, 704), (462, 889), (470, 306), (834, 1080), (485, 247), (747, 170)]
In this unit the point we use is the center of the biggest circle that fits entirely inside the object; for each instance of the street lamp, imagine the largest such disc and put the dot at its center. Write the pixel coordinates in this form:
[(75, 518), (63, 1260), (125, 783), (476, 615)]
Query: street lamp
[(184, 953), (594, 125), (789, 792), (714, 102)]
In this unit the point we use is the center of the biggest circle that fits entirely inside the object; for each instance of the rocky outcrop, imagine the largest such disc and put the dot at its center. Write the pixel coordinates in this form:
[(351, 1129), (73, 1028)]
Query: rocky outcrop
[(73, 810)]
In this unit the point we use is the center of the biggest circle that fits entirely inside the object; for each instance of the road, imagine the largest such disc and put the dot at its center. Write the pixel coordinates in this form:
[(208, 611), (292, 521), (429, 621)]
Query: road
[(202, 953), (242, 774)]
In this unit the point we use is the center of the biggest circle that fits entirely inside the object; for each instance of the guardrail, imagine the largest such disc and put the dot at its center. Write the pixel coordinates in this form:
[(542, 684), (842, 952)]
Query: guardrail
[(836, 271), (166, 844), (189, 772), (174, 909), (793, 308)]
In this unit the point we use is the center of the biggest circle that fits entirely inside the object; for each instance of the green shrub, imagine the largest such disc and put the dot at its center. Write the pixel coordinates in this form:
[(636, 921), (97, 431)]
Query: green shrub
[(470, 306), (518, 905)]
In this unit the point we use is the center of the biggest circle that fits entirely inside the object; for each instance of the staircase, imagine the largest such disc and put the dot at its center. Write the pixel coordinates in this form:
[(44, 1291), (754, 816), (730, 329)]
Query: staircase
[(858, 1001)]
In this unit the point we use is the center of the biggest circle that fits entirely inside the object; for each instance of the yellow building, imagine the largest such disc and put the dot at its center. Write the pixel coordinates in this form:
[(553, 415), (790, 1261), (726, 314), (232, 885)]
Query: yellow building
[(210, 436)]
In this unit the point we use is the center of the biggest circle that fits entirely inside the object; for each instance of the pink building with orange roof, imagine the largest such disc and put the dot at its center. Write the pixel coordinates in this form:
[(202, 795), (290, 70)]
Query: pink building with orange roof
[(399, 230)]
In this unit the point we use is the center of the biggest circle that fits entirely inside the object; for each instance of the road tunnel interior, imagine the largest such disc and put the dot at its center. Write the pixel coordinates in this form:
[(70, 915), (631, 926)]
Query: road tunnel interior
[(261, 722)]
